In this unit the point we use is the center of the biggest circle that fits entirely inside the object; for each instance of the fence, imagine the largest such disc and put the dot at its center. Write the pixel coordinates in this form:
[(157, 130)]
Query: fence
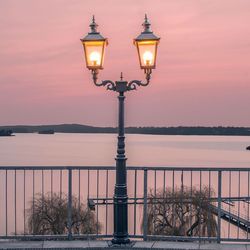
[(165, 203)]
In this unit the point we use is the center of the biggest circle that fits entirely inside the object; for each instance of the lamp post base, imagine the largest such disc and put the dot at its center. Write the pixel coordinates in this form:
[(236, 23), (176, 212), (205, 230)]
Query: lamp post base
[(120, 241)]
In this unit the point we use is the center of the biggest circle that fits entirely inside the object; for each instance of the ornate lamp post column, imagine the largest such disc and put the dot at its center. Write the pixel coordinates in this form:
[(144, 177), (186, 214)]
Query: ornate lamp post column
[(94, 47)]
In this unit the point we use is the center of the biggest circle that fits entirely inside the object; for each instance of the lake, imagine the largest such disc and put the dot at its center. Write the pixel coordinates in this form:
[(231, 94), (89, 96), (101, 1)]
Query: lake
[(99, 150), (142, 150)]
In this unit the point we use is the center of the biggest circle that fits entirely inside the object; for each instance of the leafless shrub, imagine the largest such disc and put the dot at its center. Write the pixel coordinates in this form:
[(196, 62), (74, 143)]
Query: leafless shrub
[(184, 212), (48, 214)]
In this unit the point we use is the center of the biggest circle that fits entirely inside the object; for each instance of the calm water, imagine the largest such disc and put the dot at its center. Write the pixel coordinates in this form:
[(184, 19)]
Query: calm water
[(141, 150), (99, 149)]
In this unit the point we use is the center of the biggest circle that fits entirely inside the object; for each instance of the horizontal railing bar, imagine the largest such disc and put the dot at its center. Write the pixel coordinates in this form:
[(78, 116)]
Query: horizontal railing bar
[(190, 169), (128, 168), (176, 238), (226, 198), (235, 239), (55, 237), (57, 168), (193, 238)]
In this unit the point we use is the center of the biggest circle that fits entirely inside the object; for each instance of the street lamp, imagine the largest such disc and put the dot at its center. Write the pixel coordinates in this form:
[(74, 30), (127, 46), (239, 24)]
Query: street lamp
[(146, 44), (94, 47)]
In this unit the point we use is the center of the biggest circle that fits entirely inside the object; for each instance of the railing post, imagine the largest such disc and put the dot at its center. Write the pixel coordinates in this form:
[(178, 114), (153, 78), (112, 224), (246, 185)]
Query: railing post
[(69, 204), (219, 206), (145, 206)]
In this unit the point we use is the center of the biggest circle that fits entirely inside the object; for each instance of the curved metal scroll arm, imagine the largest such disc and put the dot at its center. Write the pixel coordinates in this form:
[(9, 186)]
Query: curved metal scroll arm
[(110, 84), (132, 85)]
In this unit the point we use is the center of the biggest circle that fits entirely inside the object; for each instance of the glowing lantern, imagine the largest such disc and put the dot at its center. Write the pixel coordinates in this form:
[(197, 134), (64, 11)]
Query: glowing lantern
[(94, 47), (146, 44)]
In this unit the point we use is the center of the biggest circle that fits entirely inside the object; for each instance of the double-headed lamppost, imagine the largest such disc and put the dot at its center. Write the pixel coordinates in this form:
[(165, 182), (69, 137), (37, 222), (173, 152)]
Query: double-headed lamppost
[(94, 47)]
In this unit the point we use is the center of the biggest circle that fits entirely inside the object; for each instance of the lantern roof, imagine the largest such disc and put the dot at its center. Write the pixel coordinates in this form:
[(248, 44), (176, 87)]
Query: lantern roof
[(93, 35), (147, 34)]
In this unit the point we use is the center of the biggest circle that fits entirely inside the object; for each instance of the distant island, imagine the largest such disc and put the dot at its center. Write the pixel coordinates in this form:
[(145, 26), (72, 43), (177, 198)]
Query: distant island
[(78, 128), (6, 132), (46, 132)]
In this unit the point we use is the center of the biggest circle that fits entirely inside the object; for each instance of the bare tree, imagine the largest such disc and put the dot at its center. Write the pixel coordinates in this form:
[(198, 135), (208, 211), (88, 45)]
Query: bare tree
[(182, 212), (48, 214)]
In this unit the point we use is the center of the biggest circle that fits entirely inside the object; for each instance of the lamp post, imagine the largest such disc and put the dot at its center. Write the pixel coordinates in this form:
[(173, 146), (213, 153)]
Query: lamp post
[(94, 47)]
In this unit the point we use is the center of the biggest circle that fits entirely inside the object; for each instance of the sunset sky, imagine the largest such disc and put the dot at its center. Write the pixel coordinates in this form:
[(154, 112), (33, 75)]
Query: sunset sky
[(202, 75)]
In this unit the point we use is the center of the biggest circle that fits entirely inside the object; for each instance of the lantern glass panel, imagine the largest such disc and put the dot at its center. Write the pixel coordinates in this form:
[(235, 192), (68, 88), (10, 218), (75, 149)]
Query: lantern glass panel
[(147, 53), (94, 53)]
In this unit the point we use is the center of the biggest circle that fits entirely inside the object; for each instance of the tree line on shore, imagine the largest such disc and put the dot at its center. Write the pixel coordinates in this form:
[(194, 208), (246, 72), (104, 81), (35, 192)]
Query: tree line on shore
[(180, 130)]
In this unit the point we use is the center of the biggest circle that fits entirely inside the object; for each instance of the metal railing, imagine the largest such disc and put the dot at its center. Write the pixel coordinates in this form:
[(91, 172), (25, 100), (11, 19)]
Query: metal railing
[(89, 190)]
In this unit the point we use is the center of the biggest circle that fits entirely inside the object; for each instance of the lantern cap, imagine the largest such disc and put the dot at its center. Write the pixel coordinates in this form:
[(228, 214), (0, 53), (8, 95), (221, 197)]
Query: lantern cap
[(93, 35), (146, 34)]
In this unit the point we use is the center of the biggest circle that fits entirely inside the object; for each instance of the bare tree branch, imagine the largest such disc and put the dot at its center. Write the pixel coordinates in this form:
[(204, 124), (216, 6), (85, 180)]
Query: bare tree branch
[(47, 214), (192, 214)]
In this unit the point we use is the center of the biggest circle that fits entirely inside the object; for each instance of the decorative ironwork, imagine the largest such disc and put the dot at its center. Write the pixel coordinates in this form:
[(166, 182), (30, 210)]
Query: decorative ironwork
[(110, 85), (131, 85)]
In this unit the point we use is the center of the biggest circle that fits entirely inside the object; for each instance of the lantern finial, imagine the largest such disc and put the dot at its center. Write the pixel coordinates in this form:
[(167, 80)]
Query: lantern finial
[(146, 25), (93, 26)]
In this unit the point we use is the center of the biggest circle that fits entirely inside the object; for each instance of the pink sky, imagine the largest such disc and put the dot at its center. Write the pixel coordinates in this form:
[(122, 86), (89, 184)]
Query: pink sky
[(202, 75)]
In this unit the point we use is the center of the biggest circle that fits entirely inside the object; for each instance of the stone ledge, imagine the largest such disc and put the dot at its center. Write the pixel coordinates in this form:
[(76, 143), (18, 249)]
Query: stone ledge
[(99, 244)]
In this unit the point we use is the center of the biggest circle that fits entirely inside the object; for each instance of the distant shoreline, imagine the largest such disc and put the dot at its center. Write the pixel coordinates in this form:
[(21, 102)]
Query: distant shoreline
[(185, 130)]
